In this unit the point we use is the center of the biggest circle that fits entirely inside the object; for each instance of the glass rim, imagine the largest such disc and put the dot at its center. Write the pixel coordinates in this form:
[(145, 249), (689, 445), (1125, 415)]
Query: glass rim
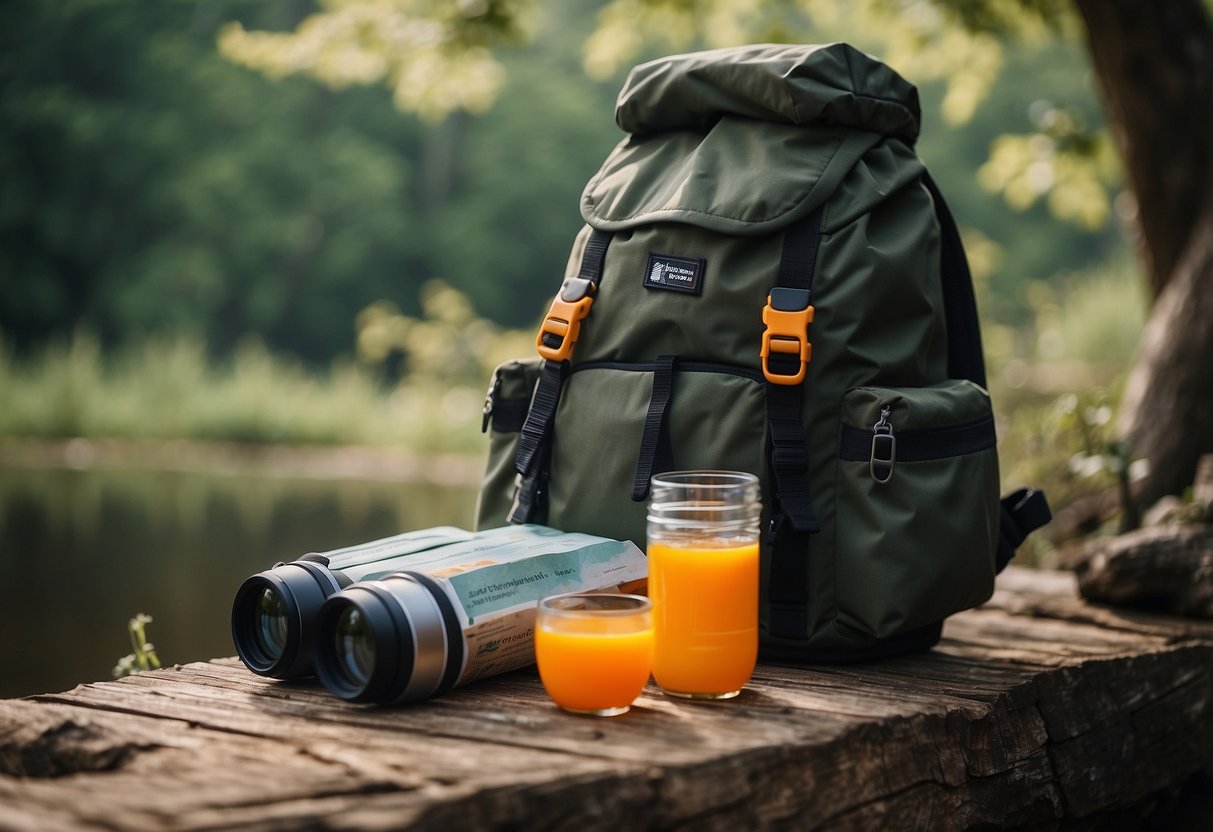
[(633, 604), (704, 478)]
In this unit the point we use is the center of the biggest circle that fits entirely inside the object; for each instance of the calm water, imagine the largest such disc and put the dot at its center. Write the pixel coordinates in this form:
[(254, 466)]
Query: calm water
[(81, 552)]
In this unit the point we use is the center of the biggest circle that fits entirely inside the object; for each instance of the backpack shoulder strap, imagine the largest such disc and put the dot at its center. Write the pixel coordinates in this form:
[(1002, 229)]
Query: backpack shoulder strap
[(555, 343), (965, 358)]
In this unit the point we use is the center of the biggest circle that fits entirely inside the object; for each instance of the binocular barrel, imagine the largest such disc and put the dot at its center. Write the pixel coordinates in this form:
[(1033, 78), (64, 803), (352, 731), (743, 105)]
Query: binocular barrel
[(393, 640), (275, 612)]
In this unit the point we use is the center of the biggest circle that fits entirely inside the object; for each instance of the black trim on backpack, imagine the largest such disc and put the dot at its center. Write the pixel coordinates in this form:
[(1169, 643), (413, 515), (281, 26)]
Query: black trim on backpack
[(855, 444)]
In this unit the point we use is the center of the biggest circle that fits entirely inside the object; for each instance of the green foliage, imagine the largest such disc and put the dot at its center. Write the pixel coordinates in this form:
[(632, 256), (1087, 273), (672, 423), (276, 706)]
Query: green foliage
[(1061, 161), (149, 186), (143, 658), (168, 388), (1019, 246), (437, 56), (1055, 384)]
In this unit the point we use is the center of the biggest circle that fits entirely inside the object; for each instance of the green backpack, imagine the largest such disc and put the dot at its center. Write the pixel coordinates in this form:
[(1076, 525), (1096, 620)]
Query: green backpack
[(769, 281)]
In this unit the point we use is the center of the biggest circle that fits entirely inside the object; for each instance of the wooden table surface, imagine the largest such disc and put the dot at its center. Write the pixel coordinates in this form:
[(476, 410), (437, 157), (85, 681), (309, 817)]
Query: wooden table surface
[(1036, 710)]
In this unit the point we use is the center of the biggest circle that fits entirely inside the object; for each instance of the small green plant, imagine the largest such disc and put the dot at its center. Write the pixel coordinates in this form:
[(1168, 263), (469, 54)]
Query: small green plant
[(144, 656), (1102, 452)]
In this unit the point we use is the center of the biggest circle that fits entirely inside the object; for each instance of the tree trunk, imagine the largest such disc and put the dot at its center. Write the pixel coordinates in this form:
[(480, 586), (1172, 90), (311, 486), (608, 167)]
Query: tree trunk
[(1154, 61)]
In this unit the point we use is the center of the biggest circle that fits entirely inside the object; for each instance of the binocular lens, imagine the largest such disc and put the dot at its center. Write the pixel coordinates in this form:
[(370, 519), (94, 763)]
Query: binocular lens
[(269, 624), (273, 617), (396, 639), (355, 647)]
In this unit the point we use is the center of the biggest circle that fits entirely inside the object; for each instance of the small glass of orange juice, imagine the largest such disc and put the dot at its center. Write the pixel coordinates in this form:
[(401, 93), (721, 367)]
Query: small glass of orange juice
[(594, 650), (703, 581)]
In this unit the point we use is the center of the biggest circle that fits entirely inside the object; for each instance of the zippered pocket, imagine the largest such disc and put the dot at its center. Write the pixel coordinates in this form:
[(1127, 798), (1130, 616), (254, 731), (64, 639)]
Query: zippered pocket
[(917, 487), (505, 407)]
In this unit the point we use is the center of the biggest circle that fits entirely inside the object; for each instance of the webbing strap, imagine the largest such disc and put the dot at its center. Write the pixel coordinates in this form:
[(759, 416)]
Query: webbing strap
[(531, 461), (539, 418), (534, 443), (789, 457), (656, 450), (787, 593), (1022, 512), (793, 519), (594, 256), (800, 245)]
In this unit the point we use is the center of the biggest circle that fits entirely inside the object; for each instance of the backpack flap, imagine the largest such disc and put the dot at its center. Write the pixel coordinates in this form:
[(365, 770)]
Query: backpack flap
[(693, 155), (831, 84)]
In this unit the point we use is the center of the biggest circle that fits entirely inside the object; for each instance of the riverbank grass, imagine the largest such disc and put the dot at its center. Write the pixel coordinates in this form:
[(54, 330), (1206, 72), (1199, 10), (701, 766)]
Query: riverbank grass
[(171, 389)]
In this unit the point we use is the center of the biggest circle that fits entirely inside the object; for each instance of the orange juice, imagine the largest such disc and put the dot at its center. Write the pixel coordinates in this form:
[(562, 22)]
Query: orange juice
[(587, 671), (705, 616), (594, 650)]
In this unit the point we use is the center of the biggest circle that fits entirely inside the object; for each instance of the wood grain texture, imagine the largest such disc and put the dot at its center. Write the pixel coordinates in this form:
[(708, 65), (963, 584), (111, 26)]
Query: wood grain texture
[(1035, 710)]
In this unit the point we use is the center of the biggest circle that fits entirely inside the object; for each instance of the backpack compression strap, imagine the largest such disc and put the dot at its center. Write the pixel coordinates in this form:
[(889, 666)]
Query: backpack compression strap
[(793, 520), (656, 449), (555, 342)]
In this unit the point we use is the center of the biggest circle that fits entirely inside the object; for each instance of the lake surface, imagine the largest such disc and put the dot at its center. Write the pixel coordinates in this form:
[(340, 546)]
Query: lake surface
[(81, 552)]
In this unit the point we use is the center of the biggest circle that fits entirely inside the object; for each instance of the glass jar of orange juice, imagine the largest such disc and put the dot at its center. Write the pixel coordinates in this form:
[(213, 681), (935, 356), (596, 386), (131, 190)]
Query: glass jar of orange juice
[(703, 531)]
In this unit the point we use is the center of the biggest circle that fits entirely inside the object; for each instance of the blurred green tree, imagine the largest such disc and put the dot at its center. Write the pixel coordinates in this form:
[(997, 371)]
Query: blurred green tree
[(1153, 61), (150, 186)]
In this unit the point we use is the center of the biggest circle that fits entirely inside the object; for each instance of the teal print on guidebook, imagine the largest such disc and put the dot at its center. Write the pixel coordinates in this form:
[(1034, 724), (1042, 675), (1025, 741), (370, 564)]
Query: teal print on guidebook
[(494, 588)]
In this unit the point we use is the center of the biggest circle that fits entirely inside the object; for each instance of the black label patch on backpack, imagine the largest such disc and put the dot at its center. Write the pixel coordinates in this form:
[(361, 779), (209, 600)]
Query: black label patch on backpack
[(677, 274)]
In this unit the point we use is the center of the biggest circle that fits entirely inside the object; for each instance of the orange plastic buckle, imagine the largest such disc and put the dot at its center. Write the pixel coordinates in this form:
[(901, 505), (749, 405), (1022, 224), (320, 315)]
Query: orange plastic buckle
[(787, 333), (564, 319)]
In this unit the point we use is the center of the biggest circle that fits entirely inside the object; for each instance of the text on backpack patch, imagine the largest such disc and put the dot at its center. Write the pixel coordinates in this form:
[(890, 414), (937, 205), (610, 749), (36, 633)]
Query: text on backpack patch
[(677, 274)]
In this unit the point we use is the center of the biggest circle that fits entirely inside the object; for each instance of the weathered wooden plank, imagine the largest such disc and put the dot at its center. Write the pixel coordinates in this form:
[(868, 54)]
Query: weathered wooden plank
[(1020, 717)]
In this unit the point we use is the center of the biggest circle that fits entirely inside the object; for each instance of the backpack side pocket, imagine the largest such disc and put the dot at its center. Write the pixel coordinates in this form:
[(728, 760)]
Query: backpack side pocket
[(917, 506), (505, 409)]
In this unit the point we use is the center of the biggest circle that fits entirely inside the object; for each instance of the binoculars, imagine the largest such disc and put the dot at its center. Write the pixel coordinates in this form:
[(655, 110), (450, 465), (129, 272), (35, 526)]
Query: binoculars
[(275, 612)]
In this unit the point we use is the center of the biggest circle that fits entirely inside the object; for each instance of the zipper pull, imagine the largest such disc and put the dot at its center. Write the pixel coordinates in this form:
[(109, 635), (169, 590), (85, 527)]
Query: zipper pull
[(489, 397), (884, 448)]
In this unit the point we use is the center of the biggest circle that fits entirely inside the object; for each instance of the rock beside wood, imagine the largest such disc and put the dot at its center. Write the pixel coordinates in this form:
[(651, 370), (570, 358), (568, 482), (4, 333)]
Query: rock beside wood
[(1165, 568)]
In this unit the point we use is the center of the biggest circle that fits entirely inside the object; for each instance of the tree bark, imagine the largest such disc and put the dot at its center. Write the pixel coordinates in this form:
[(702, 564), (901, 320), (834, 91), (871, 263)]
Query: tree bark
[(1154, 62), (1167, 409)]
